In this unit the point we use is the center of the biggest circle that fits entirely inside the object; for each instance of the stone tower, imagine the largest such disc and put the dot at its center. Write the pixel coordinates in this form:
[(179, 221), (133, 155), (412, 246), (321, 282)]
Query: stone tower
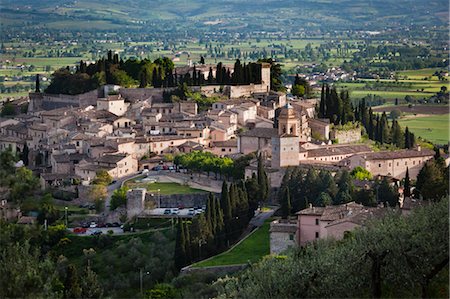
[(288, 121), (286, 147), (265, 76)]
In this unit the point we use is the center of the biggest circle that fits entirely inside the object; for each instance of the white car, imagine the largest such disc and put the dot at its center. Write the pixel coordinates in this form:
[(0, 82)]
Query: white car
[(144, 171), (93, 225)]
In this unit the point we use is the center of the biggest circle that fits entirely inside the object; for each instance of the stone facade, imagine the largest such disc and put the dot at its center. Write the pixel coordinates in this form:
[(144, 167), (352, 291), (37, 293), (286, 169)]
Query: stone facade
[(283, 235), (346, 136), (285, 151), (135, 202), (44, 101), (393, 163)]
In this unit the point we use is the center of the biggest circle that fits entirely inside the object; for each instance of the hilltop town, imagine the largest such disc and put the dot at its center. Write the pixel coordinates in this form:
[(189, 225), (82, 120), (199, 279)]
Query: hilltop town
[(113, 150)]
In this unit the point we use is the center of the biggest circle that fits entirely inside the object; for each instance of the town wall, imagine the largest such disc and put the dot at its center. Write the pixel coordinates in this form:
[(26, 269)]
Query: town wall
[(346, 136), (135, 202), (178, 200)]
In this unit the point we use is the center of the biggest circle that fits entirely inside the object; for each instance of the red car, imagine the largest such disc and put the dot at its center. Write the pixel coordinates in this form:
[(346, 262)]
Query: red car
[(79, 230)]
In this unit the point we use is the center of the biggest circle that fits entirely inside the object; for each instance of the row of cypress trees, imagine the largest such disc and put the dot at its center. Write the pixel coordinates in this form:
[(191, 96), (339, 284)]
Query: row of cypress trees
[(225, 219), (339, 109)]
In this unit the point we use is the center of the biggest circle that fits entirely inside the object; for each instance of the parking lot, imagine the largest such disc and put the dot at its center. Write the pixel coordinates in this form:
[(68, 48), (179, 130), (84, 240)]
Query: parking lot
[(104, 230), (187, 212)]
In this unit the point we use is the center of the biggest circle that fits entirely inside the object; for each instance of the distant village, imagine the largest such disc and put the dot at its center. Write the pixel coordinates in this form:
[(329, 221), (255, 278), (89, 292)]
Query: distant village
[(124, 131)]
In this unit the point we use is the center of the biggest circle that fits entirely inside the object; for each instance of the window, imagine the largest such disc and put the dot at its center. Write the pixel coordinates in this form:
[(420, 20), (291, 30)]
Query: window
[(389, 164), (223, 150), (406, 162), (379, 165), (229, 150), (317, 221), (317, 235), (291, 237), (397, 163), (414, 162)]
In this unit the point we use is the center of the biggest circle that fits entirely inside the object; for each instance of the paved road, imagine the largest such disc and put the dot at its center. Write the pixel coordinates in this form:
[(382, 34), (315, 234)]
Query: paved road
[(117, 185), (260, 217)]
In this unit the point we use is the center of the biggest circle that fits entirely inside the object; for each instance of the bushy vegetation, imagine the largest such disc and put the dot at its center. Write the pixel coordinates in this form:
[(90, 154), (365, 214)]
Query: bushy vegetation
[(395, 256)]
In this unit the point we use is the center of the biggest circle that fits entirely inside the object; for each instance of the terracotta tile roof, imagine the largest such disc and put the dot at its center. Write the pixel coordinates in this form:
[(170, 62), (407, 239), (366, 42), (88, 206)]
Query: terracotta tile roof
[(260, 133), (400, 154), (339, 150)]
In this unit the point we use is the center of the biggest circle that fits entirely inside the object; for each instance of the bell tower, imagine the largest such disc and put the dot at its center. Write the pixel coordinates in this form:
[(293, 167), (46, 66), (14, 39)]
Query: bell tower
[(288, 122)]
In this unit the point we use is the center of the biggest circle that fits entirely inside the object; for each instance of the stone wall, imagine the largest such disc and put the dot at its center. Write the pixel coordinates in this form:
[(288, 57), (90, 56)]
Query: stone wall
[(140, 94), (135, 202), (346, 136), (44, 101), (214, 270), (179, 200)]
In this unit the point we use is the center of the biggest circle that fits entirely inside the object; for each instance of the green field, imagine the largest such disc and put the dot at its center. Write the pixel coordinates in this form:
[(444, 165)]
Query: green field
[(434, 128), (165, 188), (251, 249)]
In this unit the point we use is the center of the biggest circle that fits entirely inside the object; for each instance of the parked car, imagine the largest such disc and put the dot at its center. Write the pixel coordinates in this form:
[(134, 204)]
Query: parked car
[(175, 211), (167, 212), (93, 225), (79, 230), (165, 167), (171, 168), (97, 233), (191, 212), (144, 171), (156, 168), (116, 224)]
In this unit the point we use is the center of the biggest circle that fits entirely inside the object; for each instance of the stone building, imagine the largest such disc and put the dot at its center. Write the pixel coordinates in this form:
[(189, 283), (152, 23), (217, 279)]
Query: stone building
[(283, 235), (392, 163)]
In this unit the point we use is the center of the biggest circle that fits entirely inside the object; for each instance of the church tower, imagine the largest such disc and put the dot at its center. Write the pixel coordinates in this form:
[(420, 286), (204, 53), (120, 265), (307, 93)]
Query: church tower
[(285, 146), (288, 121)]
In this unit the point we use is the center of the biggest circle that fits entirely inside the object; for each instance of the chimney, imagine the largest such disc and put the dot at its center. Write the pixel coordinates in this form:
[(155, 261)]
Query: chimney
[(419, 148)]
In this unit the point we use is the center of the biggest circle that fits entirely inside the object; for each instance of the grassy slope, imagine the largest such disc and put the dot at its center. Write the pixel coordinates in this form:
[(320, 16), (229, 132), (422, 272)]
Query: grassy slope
[(165, 188), (251, 249), (434, 128)]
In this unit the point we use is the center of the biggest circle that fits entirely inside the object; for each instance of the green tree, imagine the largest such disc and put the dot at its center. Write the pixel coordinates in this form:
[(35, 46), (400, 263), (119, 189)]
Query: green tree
[(263, 180), (386, 193), (119, 198), (285, 204), (162, 290), (180, 249), (90, 285), (361, 174), (407, 185), (102, 178), (431, 183), (72, 287), (25, 273)]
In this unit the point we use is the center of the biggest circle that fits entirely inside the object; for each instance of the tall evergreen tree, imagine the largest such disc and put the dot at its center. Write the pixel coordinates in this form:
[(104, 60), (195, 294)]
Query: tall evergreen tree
[(263, 181), (397, 136), (210, 76), (322, 112), (180, 250), (407, 185), (38, 85), (286, 204)]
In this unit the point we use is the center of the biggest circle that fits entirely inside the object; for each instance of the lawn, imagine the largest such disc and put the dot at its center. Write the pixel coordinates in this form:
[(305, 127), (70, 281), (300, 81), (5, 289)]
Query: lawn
[(434, 128), (165, 188), (251, 249)]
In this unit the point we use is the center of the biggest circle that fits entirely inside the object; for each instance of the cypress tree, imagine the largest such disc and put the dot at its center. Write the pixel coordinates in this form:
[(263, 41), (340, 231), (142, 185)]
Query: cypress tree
[(194, 76), (322, 112), (38, 84), (384, 129), (202, 60), (396, 134), (180, 251), (286, 204), (406, 137), (155, 77), (263, 181), (370, 126), (219, 73), (142, 79), (407, 185), (210, 76), (187, 243)]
